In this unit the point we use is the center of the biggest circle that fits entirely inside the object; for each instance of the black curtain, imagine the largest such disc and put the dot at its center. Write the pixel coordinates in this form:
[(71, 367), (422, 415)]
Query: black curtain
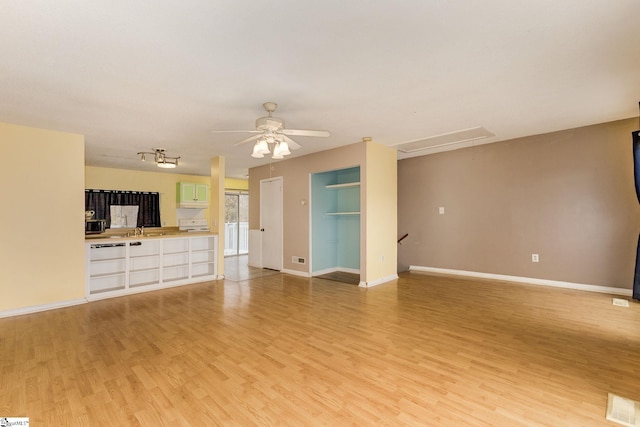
[(636, 174), (148, 204)]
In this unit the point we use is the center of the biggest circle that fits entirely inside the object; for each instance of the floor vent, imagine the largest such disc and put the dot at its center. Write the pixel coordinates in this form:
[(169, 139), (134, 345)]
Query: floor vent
[(623, 411), (621, 302)]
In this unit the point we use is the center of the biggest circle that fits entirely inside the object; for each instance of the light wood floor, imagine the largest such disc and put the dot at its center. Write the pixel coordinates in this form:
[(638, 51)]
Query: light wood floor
[(236, 268), (286, 350), (341, 276)]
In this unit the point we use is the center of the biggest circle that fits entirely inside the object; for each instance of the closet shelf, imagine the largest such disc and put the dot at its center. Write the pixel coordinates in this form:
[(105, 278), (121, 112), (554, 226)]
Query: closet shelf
[(342, 213), (345, 185)]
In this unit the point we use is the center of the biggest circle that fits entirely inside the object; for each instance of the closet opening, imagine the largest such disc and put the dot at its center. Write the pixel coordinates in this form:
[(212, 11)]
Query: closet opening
[(335, 223)]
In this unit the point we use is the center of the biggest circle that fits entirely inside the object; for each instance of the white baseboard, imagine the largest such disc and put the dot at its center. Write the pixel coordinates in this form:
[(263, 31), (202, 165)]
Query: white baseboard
[(525, 280), (295, 272), (43, 307), (378, 281)]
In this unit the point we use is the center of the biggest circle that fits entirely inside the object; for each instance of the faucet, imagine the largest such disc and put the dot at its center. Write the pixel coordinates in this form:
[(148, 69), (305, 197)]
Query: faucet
[(138, 230)]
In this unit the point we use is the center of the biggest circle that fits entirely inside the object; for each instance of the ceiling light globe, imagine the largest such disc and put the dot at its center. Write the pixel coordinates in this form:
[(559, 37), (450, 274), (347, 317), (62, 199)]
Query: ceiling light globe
[(257, 153), (284, 148), (264, 147)]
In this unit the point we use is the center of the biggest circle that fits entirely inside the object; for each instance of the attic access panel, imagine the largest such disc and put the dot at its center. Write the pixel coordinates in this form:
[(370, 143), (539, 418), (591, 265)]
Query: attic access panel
[(451, 138)]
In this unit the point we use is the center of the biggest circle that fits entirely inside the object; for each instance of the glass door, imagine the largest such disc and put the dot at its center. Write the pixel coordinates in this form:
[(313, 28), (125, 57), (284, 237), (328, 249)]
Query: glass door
[(236, 223)]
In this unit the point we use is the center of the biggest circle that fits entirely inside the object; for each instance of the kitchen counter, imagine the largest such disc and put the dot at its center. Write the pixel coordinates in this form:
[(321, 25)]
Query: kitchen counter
[(149, 233), (118, 264)]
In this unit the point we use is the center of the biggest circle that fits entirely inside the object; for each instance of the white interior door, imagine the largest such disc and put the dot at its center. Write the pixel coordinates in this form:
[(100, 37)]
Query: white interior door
[(271, 222)]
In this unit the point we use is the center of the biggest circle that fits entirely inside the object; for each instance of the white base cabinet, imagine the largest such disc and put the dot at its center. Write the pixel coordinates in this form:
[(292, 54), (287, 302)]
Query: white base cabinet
[(136, 265)]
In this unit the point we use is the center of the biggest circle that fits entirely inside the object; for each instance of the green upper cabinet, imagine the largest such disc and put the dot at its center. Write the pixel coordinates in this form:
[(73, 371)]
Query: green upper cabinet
[(192, 195)]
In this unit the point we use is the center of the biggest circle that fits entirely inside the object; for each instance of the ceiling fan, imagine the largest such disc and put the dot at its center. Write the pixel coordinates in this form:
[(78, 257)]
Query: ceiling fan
[(271, 131)]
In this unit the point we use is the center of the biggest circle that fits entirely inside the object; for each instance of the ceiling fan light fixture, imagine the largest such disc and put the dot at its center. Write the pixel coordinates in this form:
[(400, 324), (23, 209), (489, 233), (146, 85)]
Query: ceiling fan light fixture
[(263, 146), (284, 148), (276, 153), (257, 153), (271, 130)]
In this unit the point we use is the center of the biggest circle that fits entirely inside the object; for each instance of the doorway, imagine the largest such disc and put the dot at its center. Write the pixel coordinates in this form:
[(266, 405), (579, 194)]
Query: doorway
[(236, 223)]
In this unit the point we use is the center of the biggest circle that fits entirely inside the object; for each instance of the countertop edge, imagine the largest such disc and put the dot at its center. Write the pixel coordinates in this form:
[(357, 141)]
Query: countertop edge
[(112, 239)]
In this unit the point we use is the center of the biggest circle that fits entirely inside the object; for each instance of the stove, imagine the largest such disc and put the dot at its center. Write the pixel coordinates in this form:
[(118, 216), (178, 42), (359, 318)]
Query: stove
[(193, 225)]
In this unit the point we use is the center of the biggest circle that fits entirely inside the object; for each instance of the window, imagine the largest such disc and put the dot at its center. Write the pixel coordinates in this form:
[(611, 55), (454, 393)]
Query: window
[(148, 205)]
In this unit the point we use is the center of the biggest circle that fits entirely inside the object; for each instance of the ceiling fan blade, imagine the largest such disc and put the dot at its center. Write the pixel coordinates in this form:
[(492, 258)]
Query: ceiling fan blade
[(234, 131), (292, 144), (298, 132), (251, 138)]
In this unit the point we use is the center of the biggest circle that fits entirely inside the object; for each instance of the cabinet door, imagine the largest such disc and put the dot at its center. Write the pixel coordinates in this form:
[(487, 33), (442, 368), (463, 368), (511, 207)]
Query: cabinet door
[(201, 193), (187, 192), (192, 195)]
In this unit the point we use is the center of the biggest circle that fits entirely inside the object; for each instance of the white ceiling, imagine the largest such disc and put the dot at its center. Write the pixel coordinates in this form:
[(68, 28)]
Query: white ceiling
[(134, 75)]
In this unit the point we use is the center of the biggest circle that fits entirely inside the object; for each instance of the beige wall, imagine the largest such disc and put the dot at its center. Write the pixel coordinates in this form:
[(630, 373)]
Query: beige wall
[(236, 184), (42, 189), (216, 198), (296, 174), (378, 207), (568, 196), (380, 185)]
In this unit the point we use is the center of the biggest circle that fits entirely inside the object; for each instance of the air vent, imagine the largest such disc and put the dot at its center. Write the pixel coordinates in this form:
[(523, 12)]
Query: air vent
[(620, 302), (452, 138), (623, 411)]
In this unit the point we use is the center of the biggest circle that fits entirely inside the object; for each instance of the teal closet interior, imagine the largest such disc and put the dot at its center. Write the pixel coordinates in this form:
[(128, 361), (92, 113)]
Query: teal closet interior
[(335, 221)]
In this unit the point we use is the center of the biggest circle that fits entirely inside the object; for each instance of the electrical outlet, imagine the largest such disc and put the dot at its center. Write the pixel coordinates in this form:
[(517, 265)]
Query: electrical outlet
[(441, 210), (535, 258)]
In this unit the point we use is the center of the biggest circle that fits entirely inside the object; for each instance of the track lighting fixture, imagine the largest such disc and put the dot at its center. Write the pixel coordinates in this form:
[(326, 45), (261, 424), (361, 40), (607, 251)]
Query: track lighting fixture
[(161, 159)]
